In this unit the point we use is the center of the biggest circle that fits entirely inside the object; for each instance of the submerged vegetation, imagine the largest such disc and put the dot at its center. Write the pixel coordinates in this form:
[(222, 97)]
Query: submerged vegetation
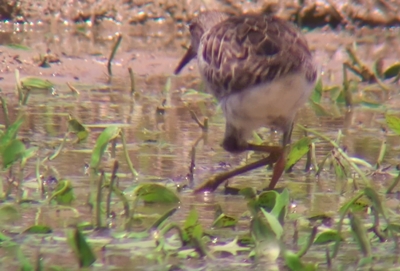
[(115, 212)]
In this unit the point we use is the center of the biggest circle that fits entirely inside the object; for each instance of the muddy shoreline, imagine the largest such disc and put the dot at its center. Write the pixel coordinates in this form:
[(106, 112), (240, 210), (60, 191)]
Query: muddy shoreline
[(311, 13)]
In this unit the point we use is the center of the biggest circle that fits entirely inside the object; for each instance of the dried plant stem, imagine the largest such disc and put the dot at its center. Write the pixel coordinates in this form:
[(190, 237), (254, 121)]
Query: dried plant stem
[(132, 78), (112, 181), (5, 110), (98, 200), (127, 158), (113, 51)]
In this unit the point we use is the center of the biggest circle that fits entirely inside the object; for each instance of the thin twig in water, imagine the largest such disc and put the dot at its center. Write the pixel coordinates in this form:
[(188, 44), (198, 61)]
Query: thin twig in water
[(204, 125), (341, 152), (127, 158), (5, 110), (132, 78), (309, 243), (346, 86), (376, 228), (73, 89), (394, 184), (114, 50), (27, 94), (98, 200), (192, 165), (382, 153), (112, 181), (113, 148)]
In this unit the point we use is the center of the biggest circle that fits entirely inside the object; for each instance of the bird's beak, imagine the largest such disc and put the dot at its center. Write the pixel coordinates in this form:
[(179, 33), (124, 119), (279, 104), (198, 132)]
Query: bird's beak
[(190, 54)]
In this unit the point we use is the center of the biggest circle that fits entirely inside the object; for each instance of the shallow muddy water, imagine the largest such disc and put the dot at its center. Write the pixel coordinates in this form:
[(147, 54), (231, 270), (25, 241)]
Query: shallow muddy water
[(160, 143)]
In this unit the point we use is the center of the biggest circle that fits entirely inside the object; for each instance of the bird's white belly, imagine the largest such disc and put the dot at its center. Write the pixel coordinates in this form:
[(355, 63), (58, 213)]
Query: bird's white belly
[(268, 105)]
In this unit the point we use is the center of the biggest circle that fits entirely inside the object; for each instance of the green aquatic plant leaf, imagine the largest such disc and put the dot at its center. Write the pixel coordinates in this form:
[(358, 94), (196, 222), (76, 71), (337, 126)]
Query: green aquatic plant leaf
[(248, 192), (281, 205), (224, 221), (319, 109), (190, 223), (38, 229), (10, 133), (360, 235), (274, 224), (295, 264), (260, 230), (327, 236), (104, 138), (14, 151), (163, 218), (393, 122), (392, 71), (36, 83), (156, 193), (297, 151), (4, 237), (267, 200), (81, 248), (77, 128), (63, 193), (316, 95)]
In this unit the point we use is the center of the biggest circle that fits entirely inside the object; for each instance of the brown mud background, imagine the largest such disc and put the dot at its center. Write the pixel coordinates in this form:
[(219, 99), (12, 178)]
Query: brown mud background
[(76, 37)]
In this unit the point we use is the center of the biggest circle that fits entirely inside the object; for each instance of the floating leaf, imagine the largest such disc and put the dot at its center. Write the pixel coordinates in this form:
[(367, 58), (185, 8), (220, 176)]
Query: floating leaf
[(38, 229), (225, 221), (248, 192), (231, 247), (12, 152), (104, 138), (63, 193), (76, 127), (267, 200), (326, 237), (81, 248), (295, 264), (392, 71), (36, 83), (393, 123), (297, 151), (156, 193)]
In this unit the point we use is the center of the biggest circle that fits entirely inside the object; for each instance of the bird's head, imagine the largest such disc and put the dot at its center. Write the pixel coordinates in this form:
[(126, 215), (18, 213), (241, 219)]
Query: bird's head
[(199, 25)]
